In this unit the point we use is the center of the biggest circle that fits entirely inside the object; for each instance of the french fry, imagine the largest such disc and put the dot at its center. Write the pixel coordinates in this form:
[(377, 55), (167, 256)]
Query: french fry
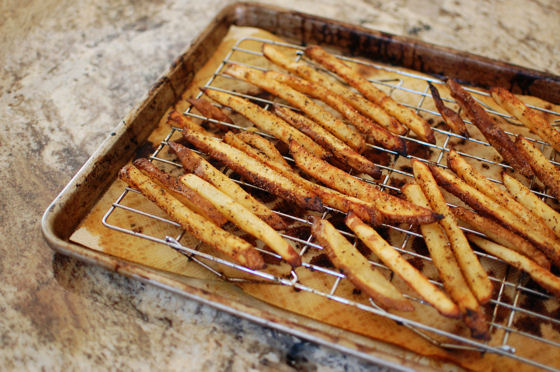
[(543, 168), (451, 118), (474, 273), (403, 114), (234, 140), (183, 193), (540, 275), (265, 120), (264, 145), (365, 107), (192, 162), (495, 136), (392, 209), (357, 268), (210, 111), (532, 202), (200, 227), (532, 119), (323, 137), (374, 132), (243, 218), (447, 267), (487, 206), (501, 235), (185, 123), (336, 126), (390, 257)]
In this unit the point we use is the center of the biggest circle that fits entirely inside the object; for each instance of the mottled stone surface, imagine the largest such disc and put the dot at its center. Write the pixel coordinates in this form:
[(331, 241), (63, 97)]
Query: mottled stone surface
[(69, 71)]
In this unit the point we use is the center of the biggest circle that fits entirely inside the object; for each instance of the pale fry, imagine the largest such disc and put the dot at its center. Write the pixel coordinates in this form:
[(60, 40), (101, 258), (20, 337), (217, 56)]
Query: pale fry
[(540, 275), (265, 120), (451, 118), (336, 126), (390, 257), (501, 235), (406, 116), (211, 112), (243, 218), (474, 273), (532, 119), (367, 108), (357, 268), (264, 145), (532, 202), (192, 162), (323, 137), (200, 227), (544, 169), (447, 267)]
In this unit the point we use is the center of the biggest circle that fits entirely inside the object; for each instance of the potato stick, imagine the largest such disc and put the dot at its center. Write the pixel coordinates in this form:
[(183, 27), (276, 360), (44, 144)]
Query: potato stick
[(403, 114), (357, 268), (192, 162), (495, 136), (532, 202), (233, 140), (487, 206), (243, 218), (374, 132), (264, 145), (183, 193), (544, 169), (265, 120), (185, 123), (450, 117), (211, 112), (392, 209), (200, 227), (540, 275), (390, 257), (336, 126), (448, 268), (320, 135), (474, 273), (501, 235), (365, 107), (532, 119)]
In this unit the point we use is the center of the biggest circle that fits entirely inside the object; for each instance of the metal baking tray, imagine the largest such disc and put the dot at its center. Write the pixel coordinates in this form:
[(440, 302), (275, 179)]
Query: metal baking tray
[(78, 197)]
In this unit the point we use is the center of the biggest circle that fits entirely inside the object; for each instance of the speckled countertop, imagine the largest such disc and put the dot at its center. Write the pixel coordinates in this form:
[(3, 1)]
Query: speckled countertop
[(70, 70)]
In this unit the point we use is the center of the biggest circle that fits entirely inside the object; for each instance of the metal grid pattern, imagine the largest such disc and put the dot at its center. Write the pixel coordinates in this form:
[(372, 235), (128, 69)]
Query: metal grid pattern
[(512, 304)]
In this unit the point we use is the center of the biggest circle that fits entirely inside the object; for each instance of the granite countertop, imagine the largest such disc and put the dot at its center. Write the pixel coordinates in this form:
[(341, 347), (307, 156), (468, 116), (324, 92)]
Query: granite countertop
[(70, 70)]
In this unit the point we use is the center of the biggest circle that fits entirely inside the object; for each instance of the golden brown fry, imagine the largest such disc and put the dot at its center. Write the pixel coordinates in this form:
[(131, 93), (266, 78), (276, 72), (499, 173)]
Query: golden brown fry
[(451, 118), (403, 114), (392, 209), (192, 162), (487, 206), (544, 169), (265, 120), (256, 172), (233, 140), (180, 192), (336, 126), (357, 268), (338, 148), (540, 275), (532, 119), (365, 107), (495, 136), (532, 202), (390, 257), (448, 269), (185, 123), (501, 235), (474, 273), (243, 218), (263, 145), (211, 112), (200, 227), (374, 132)]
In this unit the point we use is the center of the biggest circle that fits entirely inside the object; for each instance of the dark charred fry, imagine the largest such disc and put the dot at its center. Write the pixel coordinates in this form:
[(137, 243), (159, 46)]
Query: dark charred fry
[(451, 118)]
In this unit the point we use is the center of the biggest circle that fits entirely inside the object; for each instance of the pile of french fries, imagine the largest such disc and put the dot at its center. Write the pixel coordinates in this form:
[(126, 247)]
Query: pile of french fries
[(514, 224)]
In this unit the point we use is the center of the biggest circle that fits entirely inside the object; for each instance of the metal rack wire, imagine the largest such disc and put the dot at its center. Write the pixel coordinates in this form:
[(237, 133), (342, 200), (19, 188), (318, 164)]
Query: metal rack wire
[(510, 281)]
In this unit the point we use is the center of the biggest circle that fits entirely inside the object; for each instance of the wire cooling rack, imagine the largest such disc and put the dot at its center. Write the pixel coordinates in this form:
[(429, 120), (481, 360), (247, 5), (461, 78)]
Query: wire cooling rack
[(510, 308)]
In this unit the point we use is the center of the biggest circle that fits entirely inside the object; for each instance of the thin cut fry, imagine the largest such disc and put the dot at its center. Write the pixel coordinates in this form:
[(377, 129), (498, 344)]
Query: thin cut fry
[(234, 140), (200, 227), (262, 144), (185, 123), (390, 257), (357, 268), (211, 112), (451, 118), (474, 273), (403, 114)]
